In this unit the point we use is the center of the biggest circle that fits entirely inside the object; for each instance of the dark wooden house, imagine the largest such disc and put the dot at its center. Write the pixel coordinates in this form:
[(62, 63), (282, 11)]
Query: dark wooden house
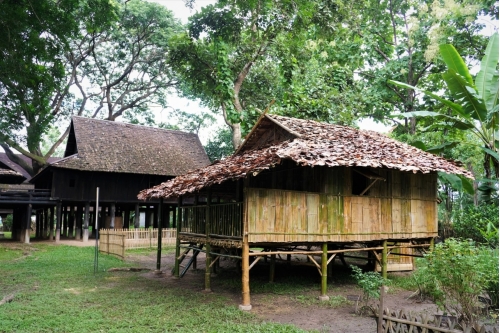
[(120, 159), (18, 197), (303, 187)]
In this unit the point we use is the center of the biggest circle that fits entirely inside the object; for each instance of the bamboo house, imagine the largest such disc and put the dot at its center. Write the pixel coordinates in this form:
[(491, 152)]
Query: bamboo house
[(303, 187)]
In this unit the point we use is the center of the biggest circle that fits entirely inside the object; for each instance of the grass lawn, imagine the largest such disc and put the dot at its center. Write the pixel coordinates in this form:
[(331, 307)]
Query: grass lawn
[(55, 290)]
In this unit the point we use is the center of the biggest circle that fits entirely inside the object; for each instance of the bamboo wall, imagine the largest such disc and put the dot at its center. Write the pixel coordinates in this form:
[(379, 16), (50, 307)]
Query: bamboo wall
[(402, 207)]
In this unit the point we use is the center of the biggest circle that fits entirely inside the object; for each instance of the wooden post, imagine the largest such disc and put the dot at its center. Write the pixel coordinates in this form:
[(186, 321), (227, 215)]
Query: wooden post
[(78, 222), (126, 218), (86, 217), (46, 219), (160, 230), (272, 268), (37, 223), (431, 244), (137, 217), (71, 222), (208, 248), (324, 273), (384, 260), (383, 290), (51, 223), (58, 221), (177, 240), (64, 227)]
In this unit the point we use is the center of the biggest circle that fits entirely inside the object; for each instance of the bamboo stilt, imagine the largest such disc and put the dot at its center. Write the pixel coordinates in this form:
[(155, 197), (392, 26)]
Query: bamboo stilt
[(208, 261), (384, 260), (272, 268), (245, 277), (178, 240), (324, 273)]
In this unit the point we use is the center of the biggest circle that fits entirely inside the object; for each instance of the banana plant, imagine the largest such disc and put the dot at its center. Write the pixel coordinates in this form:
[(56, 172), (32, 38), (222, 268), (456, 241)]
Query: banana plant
[(473, 105)]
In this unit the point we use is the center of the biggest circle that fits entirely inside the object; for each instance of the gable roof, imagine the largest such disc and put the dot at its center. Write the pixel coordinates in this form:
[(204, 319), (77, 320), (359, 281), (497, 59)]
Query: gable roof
[(308, 143), (109, 146), (6, 163)]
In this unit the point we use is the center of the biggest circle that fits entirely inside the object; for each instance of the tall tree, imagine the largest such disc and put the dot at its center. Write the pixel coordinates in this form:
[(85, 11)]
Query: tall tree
[(105, 73), (400, 41), (232, 48), (35, 36)]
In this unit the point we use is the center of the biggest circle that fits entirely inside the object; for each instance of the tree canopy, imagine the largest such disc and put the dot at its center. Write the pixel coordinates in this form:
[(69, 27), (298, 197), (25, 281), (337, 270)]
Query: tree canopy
[(108, 60)]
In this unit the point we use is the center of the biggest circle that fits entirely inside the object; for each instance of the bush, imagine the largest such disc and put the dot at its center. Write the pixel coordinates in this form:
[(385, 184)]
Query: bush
[(456, 273), (473, 221), (7, 223), (370, 282)]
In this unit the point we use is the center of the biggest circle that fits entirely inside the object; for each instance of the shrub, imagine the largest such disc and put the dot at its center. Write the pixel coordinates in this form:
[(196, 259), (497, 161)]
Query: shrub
[(473, 221), (7, 223), (370, 282), (456, 273)]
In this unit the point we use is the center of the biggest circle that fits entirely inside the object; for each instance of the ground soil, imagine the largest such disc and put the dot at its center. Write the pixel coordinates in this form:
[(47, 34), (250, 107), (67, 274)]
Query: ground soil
[(301, 310)]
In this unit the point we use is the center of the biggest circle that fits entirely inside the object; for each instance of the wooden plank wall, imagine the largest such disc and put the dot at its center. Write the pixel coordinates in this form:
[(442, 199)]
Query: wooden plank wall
[(402, 207)]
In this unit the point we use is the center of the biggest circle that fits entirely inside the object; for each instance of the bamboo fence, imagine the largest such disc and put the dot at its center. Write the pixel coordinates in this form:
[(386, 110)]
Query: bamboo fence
[(116, 241)]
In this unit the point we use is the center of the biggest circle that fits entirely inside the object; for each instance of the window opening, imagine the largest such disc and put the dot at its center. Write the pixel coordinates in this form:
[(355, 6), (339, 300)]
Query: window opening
[(363, 180)]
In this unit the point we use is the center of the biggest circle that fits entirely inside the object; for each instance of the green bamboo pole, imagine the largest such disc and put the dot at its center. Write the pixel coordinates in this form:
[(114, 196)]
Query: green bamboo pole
[(208, 256), (431, 244), (384, 260), (178, 240), (160, 231), (324, 273)]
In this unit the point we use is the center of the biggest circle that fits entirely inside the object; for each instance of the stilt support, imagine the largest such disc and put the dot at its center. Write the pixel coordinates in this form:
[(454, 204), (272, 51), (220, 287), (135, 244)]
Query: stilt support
[(272, 268), (384, 260), (245, 277), (324, 273)]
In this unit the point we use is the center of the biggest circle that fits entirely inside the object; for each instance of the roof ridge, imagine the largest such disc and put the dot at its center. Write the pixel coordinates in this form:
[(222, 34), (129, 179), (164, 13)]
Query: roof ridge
[(135, 125)]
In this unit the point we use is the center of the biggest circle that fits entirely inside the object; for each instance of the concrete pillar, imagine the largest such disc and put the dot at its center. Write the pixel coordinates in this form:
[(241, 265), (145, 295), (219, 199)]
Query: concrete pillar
[(86, 216), (112, 214), (27, 226)]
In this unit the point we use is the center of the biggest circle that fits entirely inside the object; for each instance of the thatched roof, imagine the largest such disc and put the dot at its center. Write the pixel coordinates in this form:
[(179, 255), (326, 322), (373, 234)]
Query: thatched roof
[(109, 146), (308, 143)]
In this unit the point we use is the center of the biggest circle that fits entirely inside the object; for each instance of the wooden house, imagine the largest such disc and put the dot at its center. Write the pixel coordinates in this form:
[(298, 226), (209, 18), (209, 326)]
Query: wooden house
[(303, 187), (120, 159), (18, 197)]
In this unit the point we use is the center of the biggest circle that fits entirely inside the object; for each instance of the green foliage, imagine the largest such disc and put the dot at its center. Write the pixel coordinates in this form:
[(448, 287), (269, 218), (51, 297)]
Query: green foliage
[(219, 146), (478, 223), (456, 273), (369, 281), (472, 106), (7, 223)]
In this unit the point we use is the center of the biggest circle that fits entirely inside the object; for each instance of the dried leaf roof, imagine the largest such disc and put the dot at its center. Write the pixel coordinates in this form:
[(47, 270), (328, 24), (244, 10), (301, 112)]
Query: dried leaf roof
[(311, 144), (109, 146)]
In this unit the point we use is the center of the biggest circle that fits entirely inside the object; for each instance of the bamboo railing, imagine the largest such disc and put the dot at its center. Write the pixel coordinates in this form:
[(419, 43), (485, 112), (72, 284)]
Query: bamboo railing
[(116, 241), (225, 219)]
